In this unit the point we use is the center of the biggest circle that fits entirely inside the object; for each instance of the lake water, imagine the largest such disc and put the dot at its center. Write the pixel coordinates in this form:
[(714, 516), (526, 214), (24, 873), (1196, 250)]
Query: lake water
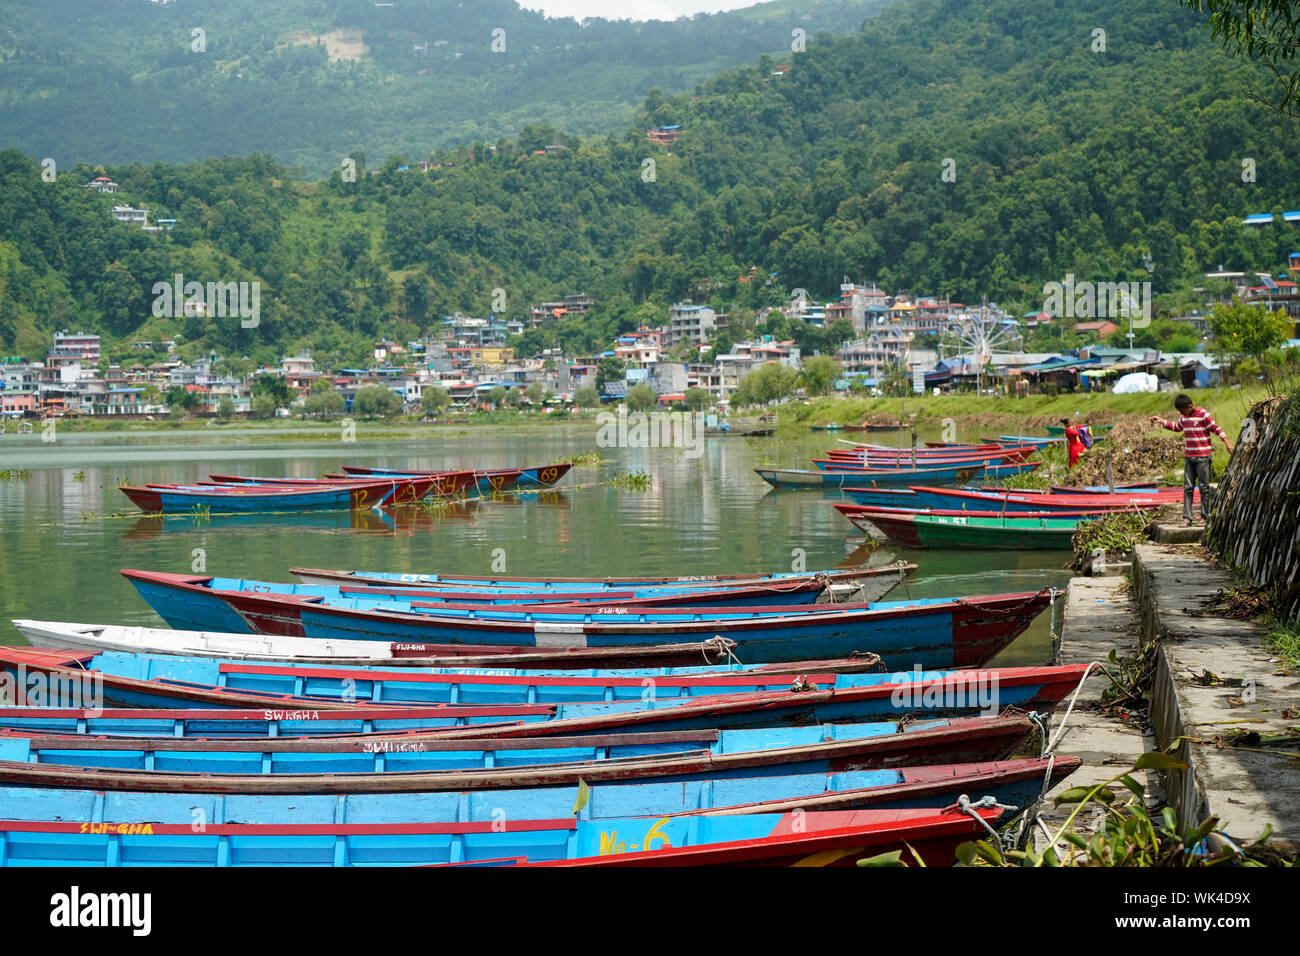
[(65, 531)]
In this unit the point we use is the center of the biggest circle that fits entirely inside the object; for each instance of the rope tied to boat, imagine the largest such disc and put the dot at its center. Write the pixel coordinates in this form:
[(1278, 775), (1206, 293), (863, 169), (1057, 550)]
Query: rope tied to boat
[(801, 685), (718, 649), (1053, 634), (972, 807), (824, 579), (1031, 816)]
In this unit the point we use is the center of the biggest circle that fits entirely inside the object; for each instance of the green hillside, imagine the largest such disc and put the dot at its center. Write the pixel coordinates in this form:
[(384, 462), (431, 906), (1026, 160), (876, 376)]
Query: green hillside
[(1065, 160), (310, 81)]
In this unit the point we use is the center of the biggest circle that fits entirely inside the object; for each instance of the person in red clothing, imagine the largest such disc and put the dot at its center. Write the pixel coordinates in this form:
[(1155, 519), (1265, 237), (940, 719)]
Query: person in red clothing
[(1073, 443), (1197, 425)]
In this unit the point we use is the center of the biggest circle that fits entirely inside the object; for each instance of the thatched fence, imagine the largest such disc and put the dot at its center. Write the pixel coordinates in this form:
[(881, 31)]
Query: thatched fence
[(1255, 526)]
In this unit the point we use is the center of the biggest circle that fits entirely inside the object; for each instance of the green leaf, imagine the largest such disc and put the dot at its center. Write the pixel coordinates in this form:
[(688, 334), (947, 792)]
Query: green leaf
[(1170, 816), (584, 795), (892, 858), (1137, 789), (1073, 795), (1155, 760)]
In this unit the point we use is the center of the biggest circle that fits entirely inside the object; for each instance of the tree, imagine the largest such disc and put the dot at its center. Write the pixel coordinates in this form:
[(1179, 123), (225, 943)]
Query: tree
[(178, 396), (819, 374), (376, 400), (697, 399), (609, 369), (536, 393), (324, 402), (497, 396), (275, 388), (586, 397), (434, 398), (766, 384), (262, 406), (1264, 30), (226, 408), (641, 397), (1242, 331)]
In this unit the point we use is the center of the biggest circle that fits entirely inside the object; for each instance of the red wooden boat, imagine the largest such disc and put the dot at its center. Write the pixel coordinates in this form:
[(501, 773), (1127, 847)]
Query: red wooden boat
[(440, 484)]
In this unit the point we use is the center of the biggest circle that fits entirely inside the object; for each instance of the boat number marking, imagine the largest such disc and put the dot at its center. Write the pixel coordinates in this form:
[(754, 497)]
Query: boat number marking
[(547, 475), (610, 844), (119, 828)]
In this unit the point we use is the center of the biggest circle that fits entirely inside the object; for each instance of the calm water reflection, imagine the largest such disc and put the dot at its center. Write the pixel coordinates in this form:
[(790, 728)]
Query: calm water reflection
[(65, 530)]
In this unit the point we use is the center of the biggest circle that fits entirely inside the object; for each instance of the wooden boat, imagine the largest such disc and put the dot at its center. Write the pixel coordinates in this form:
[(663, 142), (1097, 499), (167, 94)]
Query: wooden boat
[(827, 428), (928, 456), (910, 500), (1013, 783), (443, 484), (123, 680), (975, 531), (1019, 500), (486, 481), (464, 686), (801, 593), (1030, 440), (252, 498), (869, 427), (715, 655), (97, 637), (856, 584), (873, 477), (1144, 488), (838, 838), (1059, 430), (916, 743), (416, 763), (932, 633)]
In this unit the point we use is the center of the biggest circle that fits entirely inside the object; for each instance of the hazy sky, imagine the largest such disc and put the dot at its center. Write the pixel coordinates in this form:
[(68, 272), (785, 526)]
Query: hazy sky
[(631, 9)]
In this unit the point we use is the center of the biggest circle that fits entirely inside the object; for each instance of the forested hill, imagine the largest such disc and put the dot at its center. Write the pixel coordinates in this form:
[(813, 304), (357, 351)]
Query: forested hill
[(310, 81), (1063, 159)]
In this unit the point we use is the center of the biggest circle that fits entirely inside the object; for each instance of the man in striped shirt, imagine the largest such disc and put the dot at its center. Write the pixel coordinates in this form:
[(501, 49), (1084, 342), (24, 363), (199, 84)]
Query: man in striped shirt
[(1197, 425)]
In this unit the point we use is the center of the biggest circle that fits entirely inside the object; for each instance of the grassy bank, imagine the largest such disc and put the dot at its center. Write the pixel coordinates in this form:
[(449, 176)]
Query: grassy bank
[(298, 429), (1030, 415)]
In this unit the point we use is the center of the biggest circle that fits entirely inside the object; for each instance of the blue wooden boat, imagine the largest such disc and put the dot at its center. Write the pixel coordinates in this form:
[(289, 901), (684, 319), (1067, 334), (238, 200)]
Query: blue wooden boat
[(875, 477), (1014, 782), (1030, 440), (843, 582), (419, 764), (853, 698), (798, 592), (486, 481), (379, 493), (931, 633), (463, 687), (818, 839)]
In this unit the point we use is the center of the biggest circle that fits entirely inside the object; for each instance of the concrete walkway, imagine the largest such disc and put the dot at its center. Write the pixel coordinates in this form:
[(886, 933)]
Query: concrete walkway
[(1099, 618), (1245, 789)]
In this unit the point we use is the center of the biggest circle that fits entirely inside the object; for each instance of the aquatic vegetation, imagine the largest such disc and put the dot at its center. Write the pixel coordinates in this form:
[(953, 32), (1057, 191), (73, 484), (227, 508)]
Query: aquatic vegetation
[(630, 481)]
